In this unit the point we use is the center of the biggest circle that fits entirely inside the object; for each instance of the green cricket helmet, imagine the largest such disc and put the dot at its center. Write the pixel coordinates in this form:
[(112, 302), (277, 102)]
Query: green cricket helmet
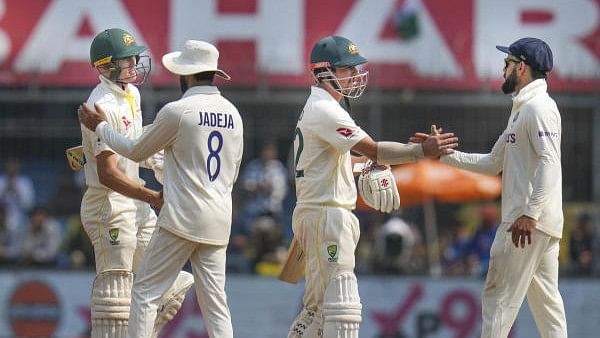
[(114, 44), (334, 52)]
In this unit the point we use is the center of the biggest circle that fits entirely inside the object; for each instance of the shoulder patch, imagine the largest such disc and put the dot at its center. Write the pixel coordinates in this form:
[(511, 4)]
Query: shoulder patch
[(346, 132)]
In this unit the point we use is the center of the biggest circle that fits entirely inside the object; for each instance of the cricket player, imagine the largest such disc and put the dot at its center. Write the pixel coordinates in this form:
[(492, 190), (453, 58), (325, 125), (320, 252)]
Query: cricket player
[(323, 222), (524, 254), (115, 210), (202, 138)]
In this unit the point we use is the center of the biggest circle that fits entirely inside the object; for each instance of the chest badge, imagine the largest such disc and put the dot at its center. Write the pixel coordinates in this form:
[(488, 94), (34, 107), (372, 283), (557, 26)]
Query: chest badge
[(332, 251), (516, 116), (126, 122)]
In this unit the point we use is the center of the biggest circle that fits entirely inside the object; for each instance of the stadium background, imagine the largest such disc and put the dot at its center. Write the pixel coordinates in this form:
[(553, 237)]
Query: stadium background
[(430, 62)]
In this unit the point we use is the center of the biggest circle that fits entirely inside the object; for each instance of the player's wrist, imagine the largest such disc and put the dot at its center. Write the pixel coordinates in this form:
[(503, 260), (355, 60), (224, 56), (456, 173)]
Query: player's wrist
[(99, 127), (147, 195), (418, 150)]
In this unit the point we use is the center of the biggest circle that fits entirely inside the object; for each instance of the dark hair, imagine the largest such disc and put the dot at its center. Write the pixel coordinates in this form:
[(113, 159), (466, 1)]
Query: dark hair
[(538, 74), (205, 76)]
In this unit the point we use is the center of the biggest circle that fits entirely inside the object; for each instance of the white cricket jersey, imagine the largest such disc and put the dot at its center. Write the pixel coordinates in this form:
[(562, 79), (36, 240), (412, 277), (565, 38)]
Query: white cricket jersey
[(528, 155), (202, 136), (324, 135), (123, 112)]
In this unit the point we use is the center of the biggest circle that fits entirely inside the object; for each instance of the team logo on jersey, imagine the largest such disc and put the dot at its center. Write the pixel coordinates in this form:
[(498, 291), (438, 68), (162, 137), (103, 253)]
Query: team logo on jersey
[(346, 132), (126, 122), (332, 251), (516, 116), (113, 233)]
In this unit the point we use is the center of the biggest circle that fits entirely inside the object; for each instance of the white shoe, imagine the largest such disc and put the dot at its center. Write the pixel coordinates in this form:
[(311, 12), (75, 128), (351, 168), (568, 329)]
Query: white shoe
[(171, 301)]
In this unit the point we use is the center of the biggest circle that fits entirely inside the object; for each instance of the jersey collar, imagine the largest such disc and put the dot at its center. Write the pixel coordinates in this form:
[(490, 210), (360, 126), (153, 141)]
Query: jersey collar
[(321, 93), (202, 90), (113, 87), (528, 92)]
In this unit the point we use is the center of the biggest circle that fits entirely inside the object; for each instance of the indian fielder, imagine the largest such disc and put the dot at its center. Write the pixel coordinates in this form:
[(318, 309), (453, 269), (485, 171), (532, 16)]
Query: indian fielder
[(323, 222), (115, 210), (524, 254), (202, 137)]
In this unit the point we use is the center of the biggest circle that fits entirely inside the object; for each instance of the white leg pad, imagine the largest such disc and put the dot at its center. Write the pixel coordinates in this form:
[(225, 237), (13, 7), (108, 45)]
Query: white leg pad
[(308, 324), (341, 307), (111, 298), (172, 301)]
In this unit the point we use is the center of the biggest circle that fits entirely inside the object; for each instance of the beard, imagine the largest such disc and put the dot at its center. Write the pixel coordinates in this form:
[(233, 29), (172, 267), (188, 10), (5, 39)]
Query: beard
[(183, 85), (510, 83)]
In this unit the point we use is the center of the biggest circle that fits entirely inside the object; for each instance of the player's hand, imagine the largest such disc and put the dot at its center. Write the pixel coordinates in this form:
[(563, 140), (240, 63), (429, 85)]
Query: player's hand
[(521, 230), (435, 146), (421, 137), (156, 200), (89, 117), (418, 138)]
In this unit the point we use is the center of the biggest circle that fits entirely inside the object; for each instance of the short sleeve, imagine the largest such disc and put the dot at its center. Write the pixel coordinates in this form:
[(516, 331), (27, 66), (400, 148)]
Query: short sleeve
[(337, 128), (98, 146)]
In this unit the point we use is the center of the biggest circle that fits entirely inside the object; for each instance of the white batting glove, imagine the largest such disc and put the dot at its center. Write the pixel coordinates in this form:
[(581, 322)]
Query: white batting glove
[(377, 187)]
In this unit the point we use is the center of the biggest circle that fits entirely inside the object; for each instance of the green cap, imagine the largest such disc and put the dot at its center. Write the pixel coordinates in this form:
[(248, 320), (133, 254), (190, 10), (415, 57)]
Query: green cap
[(335, 51), (112, 44)]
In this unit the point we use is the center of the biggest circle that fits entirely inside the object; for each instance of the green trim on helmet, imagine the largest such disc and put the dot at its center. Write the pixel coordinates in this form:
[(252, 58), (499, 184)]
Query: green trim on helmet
[(337, 51), (112, 44)]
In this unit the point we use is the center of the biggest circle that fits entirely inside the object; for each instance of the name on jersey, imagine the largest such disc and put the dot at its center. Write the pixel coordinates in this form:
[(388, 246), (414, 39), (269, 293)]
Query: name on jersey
[(220, 120)]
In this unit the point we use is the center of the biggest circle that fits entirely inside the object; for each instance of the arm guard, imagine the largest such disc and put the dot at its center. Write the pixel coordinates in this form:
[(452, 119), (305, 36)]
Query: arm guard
[(398, 153)]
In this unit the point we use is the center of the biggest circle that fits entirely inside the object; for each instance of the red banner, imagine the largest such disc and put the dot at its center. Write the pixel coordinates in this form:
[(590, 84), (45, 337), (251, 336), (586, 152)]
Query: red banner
[(422, 44)]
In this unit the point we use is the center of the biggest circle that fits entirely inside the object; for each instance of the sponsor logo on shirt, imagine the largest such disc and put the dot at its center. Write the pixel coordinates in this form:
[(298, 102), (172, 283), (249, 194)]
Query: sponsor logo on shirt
[(346, 132), (545, 133), (511, 138), (126, 122)]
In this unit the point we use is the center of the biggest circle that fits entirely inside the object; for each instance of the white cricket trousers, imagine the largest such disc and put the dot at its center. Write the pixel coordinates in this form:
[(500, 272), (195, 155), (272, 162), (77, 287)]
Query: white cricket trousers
[(518, 272), (165, 256), (119, 228), (329, 236)]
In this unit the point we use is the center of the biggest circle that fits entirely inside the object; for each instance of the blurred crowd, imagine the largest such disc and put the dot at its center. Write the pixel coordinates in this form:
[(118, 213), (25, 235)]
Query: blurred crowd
[(50, 235)]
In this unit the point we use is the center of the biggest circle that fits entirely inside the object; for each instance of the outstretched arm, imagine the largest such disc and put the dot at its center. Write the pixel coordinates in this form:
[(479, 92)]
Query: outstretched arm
[(398, 153), (155, 137), (489, 164)]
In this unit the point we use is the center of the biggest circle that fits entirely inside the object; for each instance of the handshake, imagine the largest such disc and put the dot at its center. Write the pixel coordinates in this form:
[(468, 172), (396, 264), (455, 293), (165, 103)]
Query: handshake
[(376, 183), (435, 131)]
